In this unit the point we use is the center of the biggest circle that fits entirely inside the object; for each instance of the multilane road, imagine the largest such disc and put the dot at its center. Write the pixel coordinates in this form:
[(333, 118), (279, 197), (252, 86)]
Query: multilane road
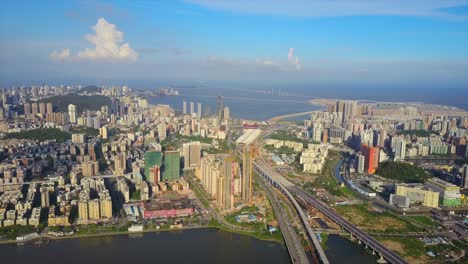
[(264, 170), (293, 243), (286, 186)]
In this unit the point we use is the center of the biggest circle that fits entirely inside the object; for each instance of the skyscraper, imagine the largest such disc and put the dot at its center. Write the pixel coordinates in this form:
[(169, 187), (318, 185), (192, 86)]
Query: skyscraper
[(120, 164), (103, 132), (42, 108), (199, 110), (34, 108), (27, 108), (162, 132), (72, 113), (228, 183), (152, 158), (171, 170), (226, 113), (383, 137), (184, 107), (464, 183), (371, 155), (154, 174), (45, 199), (361, 163), (192, 108), (105, 205), (50, 108), (93, 209), (83, 209), (247, 175), (400, 149), (192, 154)]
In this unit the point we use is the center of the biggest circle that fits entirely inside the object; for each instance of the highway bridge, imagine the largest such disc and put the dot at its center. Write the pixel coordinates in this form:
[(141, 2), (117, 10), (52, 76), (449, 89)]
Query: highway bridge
[(293, 243), (263, 169), (293, 192)]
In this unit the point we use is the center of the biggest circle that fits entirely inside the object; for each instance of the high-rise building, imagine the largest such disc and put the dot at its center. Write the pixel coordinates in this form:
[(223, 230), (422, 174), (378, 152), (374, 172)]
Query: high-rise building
[(155, 174), (89, 168), (120, 164), (247, 160), (361, 163), (103, 132), (192, 108), (464, 184), (83, 209), (105, 204), (34, 108), (152, 158), (192, 154), (226, 113), (72, 113), (42, 108), (171, 170), (45, 198), (383, 137), (50, 108), (228, 183), (400, 149), (27, 108), (162, 131), (184, 107), (93, 209), (371, 155), (199, 110)]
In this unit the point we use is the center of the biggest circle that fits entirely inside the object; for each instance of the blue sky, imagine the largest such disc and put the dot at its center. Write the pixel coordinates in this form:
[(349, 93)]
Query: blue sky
[(244, 41)]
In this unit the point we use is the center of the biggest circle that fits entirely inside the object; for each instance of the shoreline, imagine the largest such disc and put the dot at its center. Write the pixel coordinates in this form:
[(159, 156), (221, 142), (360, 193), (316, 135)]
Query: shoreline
[(50, 237)]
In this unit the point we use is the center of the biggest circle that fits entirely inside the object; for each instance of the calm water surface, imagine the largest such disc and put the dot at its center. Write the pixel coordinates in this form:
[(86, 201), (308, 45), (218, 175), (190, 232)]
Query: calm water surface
[(188, 246)]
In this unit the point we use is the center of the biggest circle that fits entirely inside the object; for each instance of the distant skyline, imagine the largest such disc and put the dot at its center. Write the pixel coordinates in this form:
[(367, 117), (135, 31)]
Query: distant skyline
[(297, 42)]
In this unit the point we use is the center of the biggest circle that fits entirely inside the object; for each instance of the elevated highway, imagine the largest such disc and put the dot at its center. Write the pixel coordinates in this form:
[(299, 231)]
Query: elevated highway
[(264, 170), (294, 193), (293, 243)]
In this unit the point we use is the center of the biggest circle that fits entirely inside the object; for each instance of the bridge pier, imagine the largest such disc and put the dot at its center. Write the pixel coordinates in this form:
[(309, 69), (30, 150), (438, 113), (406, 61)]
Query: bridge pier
[(381, 260)]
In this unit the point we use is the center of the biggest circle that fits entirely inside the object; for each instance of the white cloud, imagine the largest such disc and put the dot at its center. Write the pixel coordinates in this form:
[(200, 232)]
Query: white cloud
[(108, 45), (60, 56)]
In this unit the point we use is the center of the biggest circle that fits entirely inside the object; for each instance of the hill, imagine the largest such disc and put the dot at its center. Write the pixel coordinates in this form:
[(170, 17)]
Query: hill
[(402, 172), (90, 89), (82, 102), (41, 134)]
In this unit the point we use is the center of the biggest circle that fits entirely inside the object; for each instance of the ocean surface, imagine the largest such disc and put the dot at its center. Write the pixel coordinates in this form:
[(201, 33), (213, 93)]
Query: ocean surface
[(244, 104), (265, 103), (189, 246)]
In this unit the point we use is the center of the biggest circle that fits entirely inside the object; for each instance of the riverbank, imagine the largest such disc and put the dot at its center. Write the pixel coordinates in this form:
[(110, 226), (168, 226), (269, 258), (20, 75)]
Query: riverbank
[(206, 245), (210, 226)]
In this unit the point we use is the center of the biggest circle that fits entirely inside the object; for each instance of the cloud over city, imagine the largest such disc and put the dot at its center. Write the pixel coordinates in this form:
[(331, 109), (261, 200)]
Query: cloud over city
[(107, 43)]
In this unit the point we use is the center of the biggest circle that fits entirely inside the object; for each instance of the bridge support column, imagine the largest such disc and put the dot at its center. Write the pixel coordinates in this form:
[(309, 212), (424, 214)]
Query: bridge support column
[(381, 260), (359, 242)]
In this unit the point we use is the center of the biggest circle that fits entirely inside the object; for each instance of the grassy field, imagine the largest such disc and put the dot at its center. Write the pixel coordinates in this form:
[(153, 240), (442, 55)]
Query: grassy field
[(412, 249), (361, 216), (422, 219), (327, 178)]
